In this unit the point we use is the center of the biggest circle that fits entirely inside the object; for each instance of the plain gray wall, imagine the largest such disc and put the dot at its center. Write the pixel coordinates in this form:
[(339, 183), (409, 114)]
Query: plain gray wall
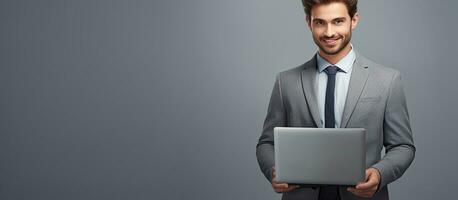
[(166, 99)]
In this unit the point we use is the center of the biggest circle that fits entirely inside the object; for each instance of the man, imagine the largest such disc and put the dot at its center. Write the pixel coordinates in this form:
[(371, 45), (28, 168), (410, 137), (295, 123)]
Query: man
[(339, 87)]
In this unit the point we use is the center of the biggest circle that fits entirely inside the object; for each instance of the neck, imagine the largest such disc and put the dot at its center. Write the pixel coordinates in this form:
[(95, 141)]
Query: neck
[(335, 58)]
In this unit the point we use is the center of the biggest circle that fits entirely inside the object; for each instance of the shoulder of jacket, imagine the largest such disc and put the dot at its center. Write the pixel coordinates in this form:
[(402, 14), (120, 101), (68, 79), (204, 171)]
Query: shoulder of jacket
[(377, 68), (296, 71)]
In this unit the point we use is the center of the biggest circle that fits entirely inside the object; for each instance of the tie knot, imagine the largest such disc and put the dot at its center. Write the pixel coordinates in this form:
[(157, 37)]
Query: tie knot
[(331, 70)]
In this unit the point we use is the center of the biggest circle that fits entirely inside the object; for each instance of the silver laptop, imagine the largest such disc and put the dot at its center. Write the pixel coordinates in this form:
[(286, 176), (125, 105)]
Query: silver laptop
[(320, 156)]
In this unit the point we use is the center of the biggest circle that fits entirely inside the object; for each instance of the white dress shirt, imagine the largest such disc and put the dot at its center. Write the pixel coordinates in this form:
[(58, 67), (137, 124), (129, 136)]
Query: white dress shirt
[(341, 87)]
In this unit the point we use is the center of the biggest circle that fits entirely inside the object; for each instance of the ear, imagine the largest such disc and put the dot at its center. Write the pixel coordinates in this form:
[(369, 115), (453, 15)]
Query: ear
[(354, 21)]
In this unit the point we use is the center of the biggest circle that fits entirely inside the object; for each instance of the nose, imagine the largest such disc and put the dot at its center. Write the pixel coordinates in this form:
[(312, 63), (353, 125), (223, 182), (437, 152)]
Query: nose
[(329, 31)]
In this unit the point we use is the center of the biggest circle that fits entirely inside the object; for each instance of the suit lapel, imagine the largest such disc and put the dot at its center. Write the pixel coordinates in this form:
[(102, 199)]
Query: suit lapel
[(308, 85), (358, 80)]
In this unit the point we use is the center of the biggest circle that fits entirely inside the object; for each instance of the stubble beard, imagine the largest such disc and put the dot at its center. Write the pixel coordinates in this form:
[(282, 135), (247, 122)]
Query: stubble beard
[(323, 49)]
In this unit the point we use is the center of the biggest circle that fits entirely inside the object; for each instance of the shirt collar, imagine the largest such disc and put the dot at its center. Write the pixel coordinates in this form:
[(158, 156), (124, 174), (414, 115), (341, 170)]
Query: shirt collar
[(345, 64)]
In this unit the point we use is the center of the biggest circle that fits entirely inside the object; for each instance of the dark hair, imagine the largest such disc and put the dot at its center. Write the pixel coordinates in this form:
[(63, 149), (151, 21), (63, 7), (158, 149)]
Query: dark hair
[(351, 5)]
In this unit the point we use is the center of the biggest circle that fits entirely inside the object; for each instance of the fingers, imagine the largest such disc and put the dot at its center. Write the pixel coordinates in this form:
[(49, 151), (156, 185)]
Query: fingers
[(366, 194), (291, 188), (369, 187), (352, 189), (371, 181), (274, 174), (281, 187)]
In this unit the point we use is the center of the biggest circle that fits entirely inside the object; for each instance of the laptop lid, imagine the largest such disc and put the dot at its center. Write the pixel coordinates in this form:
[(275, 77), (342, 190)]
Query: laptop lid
[(328, 156)]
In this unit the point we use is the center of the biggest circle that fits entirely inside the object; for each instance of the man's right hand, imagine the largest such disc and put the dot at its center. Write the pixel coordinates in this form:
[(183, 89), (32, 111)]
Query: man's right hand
[(281, 187)]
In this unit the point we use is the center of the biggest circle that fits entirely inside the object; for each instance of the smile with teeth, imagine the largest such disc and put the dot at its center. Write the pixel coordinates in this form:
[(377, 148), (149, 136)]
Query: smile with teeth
[(330, 41)]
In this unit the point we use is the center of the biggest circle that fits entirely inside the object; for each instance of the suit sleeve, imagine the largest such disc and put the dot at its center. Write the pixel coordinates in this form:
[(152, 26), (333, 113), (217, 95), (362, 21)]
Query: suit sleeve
[(276, 116), (397, 136)]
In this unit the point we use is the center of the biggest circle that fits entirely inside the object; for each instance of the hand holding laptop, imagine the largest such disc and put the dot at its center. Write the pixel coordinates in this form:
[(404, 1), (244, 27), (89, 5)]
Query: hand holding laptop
[(365, 189), (322, 156), (281, 187), (368, 188)]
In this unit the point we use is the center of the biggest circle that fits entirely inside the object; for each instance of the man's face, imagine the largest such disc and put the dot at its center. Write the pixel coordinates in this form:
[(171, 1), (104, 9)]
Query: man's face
[(331, 27)]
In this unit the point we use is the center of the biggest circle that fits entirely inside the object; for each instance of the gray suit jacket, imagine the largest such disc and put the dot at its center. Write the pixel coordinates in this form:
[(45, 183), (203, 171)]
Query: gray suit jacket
[(375, 101)]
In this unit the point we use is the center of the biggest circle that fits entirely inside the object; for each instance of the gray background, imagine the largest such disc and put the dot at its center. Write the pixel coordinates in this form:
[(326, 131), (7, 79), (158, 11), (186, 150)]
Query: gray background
[(166, 99)]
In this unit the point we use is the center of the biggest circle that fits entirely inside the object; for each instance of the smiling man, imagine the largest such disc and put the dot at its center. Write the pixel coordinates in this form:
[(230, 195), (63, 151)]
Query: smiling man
[(340, 88)]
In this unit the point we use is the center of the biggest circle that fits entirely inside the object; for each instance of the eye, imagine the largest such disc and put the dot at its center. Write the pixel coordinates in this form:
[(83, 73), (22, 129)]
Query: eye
[(319, 22), (338, 22)]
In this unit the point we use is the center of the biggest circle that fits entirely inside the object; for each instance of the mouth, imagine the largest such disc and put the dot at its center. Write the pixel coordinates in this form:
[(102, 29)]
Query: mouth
[(330, 41)]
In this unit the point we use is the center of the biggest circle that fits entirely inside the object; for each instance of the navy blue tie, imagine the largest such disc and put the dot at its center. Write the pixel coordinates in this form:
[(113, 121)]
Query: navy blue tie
[(330, 192), (329, 116)]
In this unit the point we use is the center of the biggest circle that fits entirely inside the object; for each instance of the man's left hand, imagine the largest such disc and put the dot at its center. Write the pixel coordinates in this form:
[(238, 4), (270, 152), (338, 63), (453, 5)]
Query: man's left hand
[(367, 188)]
